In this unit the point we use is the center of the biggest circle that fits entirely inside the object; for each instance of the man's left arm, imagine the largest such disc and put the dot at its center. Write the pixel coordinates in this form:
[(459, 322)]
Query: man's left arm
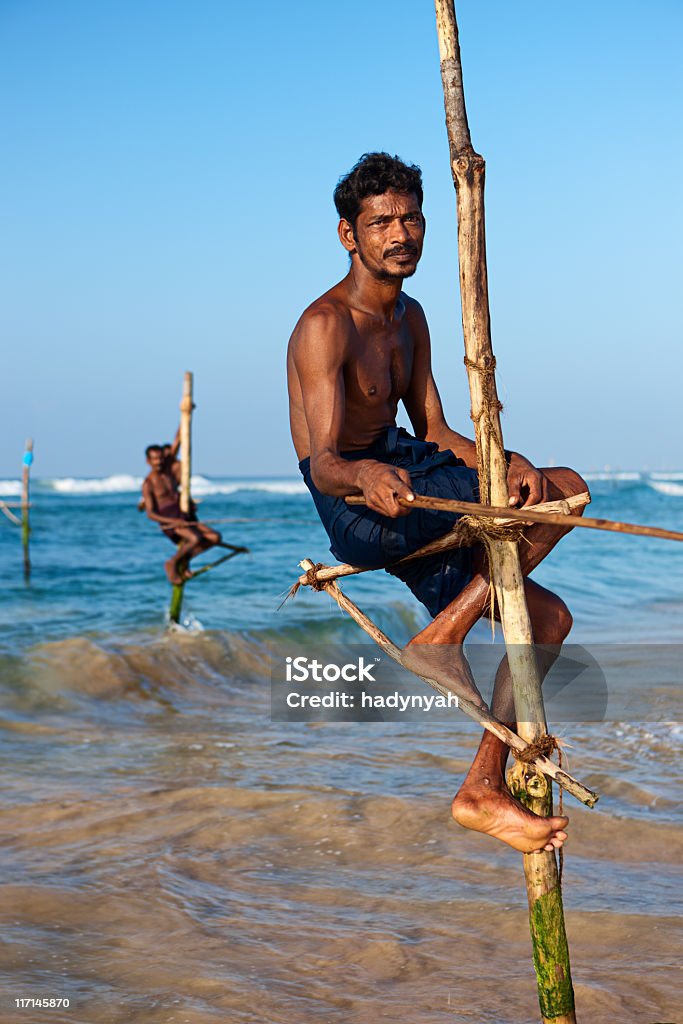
[(175, 447), (526, 484)]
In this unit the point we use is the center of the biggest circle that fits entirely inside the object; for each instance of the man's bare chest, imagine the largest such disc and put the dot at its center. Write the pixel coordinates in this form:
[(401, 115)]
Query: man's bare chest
[(379, 366), (164, 488)]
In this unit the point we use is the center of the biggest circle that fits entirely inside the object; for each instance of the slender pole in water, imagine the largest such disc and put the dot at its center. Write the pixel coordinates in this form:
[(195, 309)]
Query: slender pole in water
[(25, 525), (550, 950), (186, 407)]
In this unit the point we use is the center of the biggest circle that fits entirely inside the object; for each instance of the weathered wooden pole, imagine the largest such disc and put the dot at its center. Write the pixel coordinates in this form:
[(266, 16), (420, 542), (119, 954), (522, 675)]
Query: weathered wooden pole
[(186, 407), (25, 523), (551, 953)]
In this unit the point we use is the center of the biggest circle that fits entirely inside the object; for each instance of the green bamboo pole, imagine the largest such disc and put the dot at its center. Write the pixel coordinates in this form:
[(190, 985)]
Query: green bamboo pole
[(186, 406), (176, 605), (551, 954), (25, 505)]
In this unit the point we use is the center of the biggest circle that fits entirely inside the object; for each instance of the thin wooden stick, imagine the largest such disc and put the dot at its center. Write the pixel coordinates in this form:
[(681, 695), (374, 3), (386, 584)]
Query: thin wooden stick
[(25, 506), (480, 715), (186, 407), (532, 514), (546, 916), (239, 549), (218, 561), (445, 543), (5, 509)]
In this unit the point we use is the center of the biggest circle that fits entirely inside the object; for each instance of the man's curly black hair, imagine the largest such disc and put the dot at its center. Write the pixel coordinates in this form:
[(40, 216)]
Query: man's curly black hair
[(373, 175)]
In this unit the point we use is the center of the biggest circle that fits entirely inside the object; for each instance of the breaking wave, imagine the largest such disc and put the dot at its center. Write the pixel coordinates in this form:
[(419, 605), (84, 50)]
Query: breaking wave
[(202, 487), (669, 487), (124, 483), (668, 483), (10, 487), (616, 476), (118, 484)]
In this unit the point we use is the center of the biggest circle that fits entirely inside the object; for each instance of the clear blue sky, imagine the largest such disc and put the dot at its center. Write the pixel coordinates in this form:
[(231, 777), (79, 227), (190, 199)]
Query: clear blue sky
[(167, 172)]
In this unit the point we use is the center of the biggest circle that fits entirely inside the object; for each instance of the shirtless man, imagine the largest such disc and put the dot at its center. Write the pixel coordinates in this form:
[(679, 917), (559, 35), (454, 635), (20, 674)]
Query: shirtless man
[(170, 454), (161, 499), (356, 352)]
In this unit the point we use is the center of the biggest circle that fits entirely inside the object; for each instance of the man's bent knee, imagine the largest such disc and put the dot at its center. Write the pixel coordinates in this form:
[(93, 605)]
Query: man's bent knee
[(563, 619), (567, 480), (556, 623)]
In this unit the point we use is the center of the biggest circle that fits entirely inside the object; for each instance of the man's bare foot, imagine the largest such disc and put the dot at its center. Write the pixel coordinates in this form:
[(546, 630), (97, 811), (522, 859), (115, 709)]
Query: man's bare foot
[(174, 576), (446, 664), (497, 813)]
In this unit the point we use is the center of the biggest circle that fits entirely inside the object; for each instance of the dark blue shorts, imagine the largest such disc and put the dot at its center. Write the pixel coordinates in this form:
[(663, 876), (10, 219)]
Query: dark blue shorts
[(367, 539)]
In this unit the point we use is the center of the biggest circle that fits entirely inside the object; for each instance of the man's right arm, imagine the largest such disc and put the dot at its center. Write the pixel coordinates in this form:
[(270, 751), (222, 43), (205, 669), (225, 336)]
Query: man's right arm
[(319, 352)]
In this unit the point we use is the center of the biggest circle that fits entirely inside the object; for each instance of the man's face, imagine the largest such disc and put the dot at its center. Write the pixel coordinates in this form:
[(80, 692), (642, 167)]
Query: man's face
[(389, 234), (156, 458)]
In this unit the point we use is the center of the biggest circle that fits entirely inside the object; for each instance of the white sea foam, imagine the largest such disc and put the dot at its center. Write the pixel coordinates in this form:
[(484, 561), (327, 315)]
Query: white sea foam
[(674, 490), (201, 487), (120, 483), (10, 487), (670, 483), (124, 483), (613, 475)]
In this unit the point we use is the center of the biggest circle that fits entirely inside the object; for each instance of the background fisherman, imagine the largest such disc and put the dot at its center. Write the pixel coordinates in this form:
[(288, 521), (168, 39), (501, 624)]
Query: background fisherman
[(161, 498)]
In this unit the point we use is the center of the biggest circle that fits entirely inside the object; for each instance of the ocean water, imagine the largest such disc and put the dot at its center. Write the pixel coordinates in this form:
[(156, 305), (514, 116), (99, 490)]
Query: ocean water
[(170, 854)]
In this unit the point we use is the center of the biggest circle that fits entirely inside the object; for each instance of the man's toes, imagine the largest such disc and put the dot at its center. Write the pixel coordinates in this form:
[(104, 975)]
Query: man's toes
[(555, 842)]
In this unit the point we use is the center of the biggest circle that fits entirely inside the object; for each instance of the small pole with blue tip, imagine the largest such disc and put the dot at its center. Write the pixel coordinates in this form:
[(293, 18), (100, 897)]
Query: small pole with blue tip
[(25, 525)]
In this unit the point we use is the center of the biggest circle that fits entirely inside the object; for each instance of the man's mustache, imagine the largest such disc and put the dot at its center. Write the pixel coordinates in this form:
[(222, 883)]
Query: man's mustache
[(401, 250)]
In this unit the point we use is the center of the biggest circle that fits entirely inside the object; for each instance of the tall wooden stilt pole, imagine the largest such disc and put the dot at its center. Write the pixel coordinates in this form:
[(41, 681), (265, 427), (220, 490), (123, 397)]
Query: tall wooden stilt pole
[(551, 954), (25, 523), (186, 407)]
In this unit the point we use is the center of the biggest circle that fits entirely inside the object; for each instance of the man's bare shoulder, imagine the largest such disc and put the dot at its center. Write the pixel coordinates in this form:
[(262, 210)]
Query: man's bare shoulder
[(415, 314), (149, 493), (329, 317)]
